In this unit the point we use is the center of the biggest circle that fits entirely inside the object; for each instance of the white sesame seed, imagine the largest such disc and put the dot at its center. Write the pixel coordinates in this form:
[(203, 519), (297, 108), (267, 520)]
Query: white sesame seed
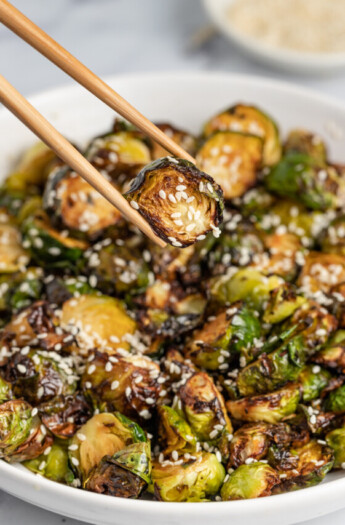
[(91, 369), (34, 412), (73, 447), (114, 385), (21, 368), (75, 461), (162, 194), (81, 437), (174, 455), (108, 367), (134, 205)]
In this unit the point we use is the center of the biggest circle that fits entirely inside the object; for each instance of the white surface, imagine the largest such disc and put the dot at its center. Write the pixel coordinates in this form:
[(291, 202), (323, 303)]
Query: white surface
[(187, 100), (101, 33), (283, 59)]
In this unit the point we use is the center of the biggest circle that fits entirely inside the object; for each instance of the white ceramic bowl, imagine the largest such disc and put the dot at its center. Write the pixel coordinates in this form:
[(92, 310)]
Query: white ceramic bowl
[(289, 60), (186, 100)]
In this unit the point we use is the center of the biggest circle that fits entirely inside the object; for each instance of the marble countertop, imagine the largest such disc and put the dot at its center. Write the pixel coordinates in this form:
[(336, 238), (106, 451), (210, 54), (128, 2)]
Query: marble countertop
[(119, 36)]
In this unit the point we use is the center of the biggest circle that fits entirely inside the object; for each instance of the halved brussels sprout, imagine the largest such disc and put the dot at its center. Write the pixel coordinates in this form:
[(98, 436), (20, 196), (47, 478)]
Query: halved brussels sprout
[(333, 354), (125, 474), (39, 375), (321, 271), (102, 435), (74, 203), (181, 137), (22, 436), (303, 141), (174, 431), (63, 415), (249, 119), (300, 177), (181, 203), (61, 289), (332, 238), (280, 255), (53, 465), (335, 401), (282, 303), (314, 461), (49, 247), (272, 407), (5, 391), (32, 169), (195, 479), (23, 289), (313, 380), (250, 481), (102, 322), (127, 383), (203, 407), (232, 159), (336, 441), (13, 256), (252, 441)]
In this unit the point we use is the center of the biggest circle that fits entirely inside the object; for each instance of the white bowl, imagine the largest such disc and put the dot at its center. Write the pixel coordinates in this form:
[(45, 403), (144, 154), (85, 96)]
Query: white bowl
[(294, 61), (186, 100)]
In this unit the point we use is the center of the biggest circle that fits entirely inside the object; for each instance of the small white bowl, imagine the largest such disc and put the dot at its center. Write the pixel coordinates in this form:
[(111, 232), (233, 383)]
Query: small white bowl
[(293, 61)]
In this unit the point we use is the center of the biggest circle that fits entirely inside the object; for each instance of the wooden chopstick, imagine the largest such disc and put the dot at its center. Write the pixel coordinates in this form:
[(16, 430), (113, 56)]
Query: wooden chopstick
[(18, 105), (37, 38)]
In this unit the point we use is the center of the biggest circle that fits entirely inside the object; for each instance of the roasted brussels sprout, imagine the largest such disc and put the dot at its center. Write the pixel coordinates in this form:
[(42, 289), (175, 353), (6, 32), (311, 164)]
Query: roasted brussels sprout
[(183, 138), (127, 383), (102, 435), (174, 431), (249, 119), (22, 436), (195, 479), (321, 271), (5, 391), (250, 481), (232, 159), (181, 203), (21, 289), (333, 354), (335, 401), (53, 464), (63, 415), (300, 177), (313, 380), (271, 408), (302, 141), (336, 441), (94, 317), (13, 256), (332, 238)]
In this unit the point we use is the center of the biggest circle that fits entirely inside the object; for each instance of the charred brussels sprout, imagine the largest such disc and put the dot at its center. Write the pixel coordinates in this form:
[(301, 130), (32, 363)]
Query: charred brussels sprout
[(333, 238), (232, 159), (335, 401), (183, 138), (300, 177), (250, 481), (249, 119), (196, 479), (63, 415), (282, 303), (181, 203), (336, 441), (125, 474), (270, 408), (321, 271), (250, 441), (103, 435), (313, 380), (302, 141), (53, 465), (23, 289), (174, 431), (22, 437), (332, 356), (5, 390), (94, 316)]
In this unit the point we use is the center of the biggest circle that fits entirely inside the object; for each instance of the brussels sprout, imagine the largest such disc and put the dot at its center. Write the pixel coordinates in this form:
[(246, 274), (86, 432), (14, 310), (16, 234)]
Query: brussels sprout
[(195, 479), (49, 247), (24, 288), (181, 203), (250, 481), (102, 435), (53, 464), (61, 289), (32, 169), (74, 203), (247, 284), (300, 177), (272, 407), (203, 407), (232, 159), (94, 316), (335, 401), (255, 204), (13, 256), (127, 383), (182, 138), (280, 257), (336, 441), (282, 303), (249, 119), (63, 415), (313, 380), (5, 391), (333, 354), (40, 375), (174, 431), (332, 238), (176, 366), (316, 421), (22, 436), (302, 141), (121, 152), (321, 271), (271, 371), (314, 461), (125, 474)]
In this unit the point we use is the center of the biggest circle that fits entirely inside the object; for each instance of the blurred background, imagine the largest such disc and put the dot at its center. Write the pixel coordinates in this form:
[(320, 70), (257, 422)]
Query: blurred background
[(123, 36)]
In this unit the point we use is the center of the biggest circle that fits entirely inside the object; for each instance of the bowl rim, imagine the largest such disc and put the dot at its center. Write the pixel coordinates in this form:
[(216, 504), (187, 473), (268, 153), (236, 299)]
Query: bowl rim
[(19, 475)]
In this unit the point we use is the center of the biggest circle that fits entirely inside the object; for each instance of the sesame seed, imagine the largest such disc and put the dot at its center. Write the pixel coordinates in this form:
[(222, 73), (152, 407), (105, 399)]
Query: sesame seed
[(21, 368), (162, 194), (88, 384), (91, 369), (108, 367), (47, 451), (75, 461), (34, 412), (81, 437), (42, 465), (174, 455), (134, 205), (172, 198), (73, 447), (114, 385)]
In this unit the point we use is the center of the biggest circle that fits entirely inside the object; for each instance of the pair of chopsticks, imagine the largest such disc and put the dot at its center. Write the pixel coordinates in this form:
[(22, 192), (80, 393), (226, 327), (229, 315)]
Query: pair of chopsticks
[(19, 106)]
